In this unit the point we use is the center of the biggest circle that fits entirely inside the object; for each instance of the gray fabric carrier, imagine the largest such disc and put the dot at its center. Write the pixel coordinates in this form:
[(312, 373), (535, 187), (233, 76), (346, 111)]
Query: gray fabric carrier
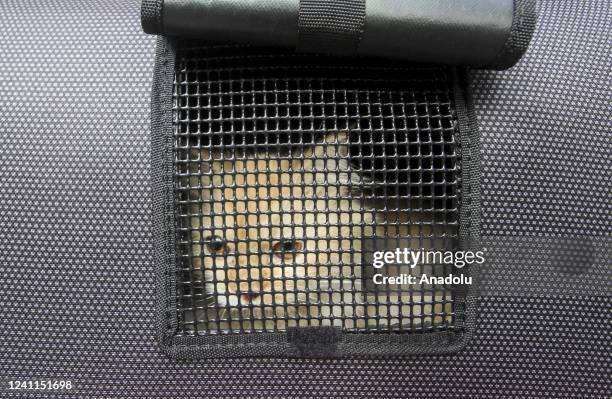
[(76, 229)]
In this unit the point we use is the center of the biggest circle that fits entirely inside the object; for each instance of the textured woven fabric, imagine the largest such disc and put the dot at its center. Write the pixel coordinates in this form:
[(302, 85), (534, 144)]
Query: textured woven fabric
[(546, 128), (77, 286)]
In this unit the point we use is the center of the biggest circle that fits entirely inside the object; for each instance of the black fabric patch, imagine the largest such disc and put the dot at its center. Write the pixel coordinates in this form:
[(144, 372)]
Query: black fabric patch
[(313, 342)]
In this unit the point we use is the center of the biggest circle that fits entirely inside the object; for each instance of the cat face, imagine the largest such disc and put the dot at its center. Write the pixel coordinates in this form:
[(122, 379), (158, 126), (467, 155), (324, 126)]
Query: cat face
[(275, 233)]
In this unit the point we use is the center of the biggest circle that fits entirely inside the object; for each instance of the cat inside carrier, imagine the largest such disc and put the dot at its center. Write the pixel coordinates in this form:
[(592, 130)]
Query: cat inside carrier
[(288, 176)]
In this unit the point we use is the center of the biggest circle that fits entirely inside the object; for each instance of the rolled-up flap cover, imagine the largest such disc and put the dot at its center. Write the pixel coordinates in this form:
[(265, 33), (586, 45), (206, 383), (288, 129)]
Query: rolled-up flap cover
[(480, 33)]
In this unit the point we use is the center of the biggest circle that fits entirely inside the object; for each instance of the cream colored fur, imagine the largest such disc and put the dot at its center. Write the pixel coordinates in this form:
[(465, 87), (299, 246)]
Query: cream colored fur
[(254, 201)]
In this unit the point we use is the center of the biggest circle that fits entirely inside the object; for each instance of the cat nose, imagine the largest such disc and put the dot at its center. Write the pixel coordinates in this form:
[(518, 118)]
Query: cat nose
[(248, 297)]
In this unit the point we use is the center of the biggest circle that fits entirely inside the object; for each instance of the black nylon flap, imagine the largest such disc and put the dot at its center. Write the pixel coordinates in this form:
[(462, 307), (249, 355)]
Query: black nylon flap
[(480, 33)]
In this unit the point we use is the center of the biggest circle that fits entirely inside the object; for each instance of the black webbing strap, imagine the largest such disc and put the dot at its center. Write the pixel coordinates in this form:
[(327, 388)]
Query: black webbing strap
[(331, 26)]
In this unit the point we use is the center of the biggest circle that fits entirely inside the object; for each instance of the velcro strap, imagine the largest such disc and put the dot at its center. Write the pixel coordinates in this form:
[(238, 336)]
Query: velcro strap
[(331, 26)]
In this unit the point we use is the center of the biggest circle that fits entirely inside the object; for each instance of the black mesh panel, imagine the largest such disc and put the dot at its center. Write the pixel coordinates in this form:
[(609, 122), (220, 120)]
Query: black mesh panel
[(291, 171)]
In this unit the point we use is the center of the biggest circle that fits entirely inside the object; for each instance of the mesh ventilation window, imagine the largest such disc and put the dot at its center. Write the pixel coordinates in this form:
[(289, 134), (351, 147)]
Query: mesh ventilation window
[(289, 169)]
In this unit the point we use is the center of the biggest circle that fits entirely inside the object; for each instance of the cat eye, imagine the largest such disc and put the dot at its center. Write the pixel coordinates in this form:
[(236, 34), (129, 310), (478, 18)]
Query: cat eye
[(215, 244), (285, 248)]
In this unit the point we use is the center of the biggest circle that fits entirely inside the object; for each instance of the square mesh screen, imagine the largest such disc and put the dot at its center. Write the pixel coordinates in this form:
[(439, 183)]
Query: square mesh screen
[(290, 171)]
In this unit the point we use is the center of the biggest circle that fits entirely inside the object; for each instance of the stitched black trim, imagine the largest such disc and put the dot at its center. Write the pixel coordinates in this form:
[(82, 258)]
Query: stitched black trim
[(470, 215), (162, 190)]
